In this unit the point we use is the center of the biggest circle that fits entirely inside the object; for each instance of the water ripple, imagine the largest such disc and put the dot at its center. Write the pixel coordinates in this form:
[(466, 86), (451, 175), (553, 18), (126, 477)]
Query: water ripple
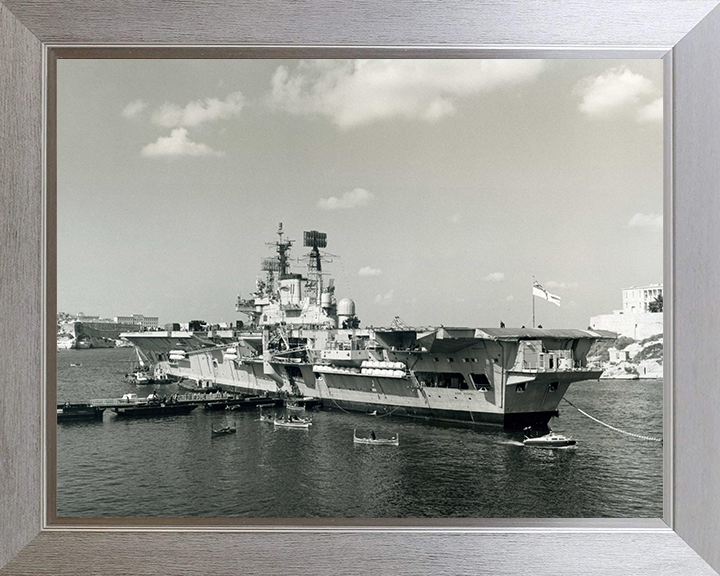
[(172, 467)]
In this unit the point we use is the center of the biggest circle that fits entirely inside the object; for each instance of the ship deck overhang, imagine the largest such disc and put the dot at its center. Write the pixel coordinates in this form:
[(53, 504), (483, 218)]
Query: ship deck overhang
[(163, 341), (448, 340)]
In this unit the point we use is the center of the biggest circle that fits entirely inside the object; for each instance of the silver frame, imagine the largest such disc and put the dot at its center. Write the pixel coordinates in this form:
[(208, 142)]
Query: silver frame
[(685, 32)]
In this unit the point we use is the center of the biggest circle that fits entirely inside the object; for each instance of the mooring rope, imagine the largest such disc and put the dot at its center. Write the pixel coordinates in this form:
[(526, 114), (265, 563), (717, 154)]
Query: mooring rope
[(388, 413), (613, 427), (341, 408), (348, 412)]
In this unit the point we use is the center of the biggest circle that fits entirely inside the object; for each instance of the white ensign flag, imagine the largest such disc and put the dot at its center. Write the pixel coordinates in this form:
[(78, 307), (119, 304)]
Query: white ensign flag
[(538, 290)]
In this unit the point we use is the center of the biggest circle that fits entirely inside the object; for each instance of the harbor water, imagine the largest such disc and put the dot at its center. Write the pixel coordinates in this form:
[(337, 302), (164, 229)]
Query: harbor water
[(171, 466)]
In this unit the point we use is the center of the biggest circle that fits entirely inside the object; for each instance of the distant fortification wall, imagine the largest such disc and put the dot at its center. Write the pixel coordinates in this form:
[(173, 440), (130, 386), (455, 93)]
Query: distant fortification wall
[(636, 326)]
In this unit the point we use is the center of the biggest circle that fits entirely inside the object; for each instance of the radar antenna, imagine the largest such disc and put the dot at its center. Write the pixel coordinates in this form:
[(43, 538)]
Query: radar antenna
[(315, 240)]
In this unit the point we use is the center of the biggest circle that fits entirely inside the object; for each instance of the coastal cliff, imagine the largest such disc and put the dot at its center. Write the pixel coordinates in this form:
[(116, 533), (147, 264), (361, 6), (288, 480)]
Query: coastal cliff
[(629, 359)]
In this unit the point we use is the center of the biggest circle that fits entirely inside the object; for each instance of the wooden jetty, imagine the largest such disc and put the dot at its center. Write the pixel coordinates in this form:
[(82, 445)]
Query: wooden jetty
[(154, 404)]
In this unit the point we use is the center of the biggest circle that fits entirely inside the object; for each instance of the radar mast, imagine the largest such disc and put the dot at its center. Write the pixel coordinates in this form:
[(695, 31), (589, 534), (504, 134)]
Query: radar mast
[(315, 240)]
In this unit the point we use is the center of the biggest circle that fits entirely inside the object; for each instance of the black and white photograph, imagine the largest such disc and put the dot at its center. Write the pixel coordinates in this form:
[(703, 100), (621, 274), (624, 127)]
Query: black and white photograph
[(383, 288)]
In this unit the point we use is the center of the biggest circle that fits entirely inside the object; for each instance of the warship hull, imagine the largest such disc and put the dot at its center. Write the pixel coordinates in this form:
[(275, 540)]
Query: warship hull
[(476, 379), (534, 406)]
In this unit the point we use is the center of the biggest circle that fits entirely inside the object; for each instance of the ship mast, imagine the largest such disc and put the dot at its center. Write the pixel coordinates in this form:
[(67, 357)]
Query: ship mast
[(277, 266), (283, 248)]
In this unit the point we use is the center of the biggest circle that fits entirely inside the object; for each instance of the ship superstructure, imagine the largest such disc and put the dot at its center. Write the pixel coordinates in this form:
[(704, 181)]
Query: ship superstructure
[(300, 342), (284, 297)]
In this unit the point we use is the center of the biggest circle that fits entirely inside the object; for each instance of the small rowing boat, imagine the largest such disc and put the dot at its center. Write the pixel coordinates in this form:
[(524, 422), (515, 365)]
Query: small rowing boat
[(223, 430), (372, 439), (266, 417), (551, 440), (292, 423)]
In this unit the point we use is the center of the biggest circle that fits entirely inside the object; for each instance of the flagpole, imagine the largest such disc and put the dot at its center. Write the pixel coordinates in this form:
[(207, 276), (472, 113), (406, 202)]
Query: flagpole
[(533, 297), (533, 310)]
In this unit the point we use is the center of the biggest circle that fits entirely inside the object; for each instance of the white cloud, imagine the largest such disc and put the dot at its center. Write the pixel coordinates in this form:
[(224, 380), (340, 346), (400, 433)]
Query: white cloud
[(352, 199), (355, 92), (178, 144), (369, 271), (199, 111), (652, 112), (134, 108), (561, 285), (615, 90), (385, 299), (495, 277), (646, 221)]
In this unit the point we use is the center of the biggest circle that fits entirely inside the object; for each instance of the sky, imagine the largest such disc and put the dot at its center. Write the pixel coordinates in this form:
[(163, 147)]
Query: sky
[(444, 186)]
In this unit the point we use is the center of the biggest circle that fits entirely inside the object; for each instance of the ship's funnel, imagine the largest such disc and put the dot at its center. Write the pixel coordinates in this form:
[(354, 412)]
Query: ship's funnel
[(290, 289), (326, 300)]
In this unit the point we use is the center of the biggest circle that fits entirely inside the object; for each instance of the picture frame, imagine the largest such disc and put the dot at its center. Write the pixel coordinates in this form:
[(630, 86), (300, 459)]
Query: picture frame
[(684, 33)]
